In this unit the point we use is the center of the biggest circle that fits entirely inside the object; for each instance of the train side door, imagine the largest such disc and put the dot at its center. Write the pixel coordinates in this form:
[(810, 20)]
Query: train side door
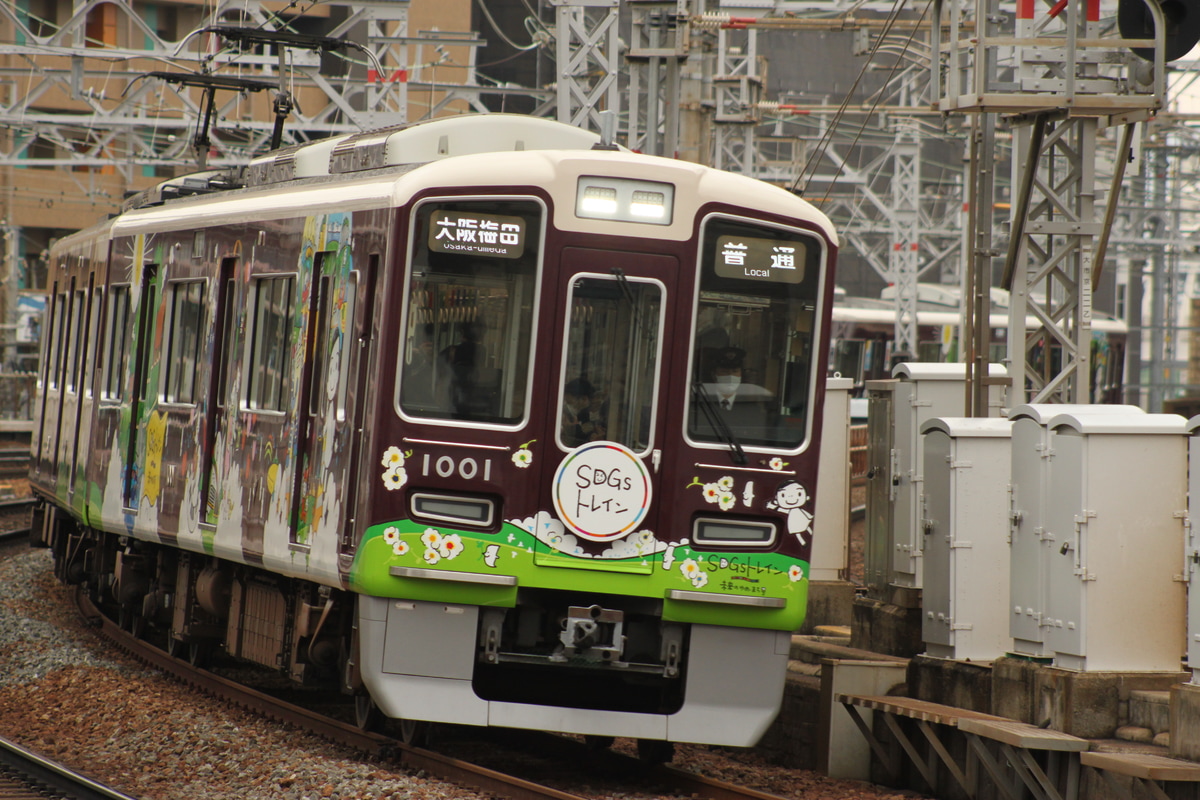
[(217, 409), (604, 405), (323, 424), (147, 311)]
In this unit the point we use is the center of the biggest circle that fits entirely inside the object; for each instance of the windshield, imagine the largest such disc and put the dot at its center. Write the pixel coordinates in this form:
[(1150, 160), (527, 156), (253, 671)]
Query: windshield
[(469, 324), (611, 362), (752, 354)]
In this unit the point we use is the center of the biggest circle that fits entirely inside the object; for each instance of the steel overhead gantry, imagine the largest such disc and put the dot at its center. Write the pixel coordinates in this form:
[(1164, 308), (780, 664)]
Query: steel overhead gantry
[(1061, 74), (586, 55), (106, 114)]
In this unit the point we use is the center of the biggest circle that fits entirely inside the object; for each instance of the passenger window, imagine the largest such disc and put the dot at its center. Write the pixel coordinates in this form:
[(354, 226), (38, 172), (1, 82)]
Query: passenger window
[(469, 323), (75, 346), (184, 340), (59, 335), (116, 343), (752, 353), (267, 378), (611, 368)]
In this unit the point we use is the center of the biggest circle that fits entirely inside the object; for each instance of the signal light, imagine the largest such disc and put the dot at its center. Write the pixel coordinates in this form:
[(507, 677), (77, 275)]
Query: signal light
[(1183, 26)]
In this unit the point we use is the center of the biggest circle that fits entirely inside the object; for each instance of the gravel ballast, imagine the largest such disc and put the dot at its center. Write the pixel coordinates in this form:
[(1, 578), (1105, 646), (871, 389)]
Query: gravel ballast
[(70, 695)]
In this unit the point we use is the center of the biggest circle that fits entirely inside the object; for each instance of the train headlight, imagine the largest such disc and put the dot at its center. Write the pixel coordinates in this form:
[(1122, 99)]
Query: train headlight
[(624, 200), (732, 532), (598, 200), (648, 205)]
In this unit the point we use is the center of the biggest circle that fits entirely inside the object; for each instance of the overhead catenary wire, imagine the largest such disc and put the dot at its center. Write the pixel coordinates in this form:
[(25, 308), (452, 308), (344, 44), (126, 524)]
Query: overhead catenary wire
[(823, 145)]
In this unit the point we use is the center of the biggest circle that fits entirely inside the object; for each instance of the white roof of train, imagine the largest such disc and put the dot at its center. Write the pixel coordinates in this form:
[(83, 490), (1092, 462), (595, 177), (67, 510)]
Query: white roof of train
[(355, 177), (888, 316)]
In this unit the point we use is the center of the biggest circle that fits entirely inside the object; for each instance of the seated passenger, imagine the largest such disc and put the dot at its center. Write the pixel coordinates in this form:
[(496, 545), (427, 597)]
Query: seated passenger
[(578, 423)]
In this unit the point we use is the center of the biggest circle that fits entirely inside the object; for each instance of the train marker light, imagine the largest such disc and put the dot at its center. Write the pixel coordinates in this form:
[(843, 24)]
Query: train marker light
[(650, 205), (599, 201), (624, 200)]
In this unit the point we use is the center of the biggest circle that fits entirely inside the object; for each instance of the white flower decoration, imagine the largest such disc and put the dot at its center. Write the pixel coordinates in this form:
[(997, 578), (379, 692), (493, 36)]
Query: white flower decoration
[(450, 546), (795, 573), (432, 557), (431, 539), (690, 569), (726, 501), (400, 548), (393, 457), (776, 463), (395, 478), (522, 458), (391, 535), (712, 492), (726, 483), (700, 580)]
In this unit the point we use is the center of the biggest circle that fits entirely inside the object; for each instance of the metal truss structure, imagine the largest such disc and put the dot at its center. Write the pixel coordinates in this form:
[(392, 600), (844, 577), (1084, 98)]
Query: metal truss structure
[(128, 107), (685, 79), (587, 59), (1062, 74)]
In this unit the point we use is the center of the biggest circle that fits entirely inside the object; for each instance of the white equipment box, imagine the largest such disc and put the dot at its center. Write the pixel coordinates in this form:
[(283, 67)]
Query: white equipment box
[(964, 603)]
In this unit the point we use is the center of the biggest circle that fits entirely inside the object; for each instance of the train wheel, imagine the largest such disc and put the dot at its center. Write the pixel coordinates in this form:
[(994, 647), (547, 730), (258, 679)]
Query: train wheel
[(175, 647), (655, 751), (199, 654), (415, 732), (130, 621), (367, 715)]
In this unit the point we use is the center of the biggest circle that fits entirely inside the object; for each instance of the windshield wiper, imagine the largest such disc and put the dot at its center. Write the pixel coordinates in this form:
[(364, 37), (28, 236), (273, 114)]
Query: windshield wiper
[(718, 424)]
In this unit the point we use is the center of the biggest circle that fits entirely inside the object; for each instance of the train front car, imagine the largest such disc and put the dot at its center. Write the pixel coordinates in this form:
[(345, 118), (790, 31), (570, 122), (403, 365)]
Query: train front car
[(594, 486)]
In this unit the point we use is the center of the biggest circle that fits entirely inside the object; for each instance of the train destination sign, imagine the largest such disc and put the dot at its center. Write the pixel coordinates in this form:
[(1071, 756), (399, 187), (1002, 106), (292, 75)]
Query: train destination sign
[(477, 234), (751, 258), (602, 491)]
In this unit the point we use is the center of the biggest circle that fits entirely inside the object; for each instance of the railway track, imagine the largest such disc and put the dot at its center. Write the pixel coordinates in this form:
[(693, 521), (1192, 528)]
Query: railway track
[(665, 779), (14, 462), (26, 775), (15, 520)]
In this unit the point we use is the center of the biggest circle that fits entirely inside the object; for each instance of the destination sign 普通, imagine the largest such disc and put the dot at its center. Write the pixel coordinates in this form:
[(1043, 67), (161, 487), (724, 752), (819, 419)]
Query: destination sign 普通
[(751, 258), (477, 234)]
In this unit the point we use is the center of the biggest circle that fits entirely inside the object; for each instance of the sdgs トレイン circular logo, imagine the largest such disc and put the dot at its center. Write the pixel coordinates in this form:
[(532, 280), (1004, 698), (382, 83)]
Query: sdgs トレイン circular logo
[(602, 491)]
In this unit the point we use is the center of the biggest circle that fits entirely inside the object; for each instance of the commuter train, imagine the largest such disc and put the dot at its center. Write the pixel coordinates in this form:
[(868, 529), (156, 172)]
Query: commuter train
[(863, 331), (481, 420)]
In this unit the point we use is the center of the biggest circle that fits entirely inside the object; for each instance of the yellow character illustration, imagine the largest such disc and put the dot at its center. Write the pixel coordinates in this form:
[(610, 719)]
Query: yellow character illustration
[(156, 435)]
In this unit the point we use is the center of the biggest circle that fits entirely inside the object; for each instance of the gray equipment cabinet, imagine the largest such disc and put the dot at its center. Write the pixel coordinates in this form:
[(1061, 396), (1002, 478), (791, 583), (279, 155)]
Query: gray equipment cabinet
[(964, 603), (1032, 460), (898, 408), (1192, 552), (1115, 514)]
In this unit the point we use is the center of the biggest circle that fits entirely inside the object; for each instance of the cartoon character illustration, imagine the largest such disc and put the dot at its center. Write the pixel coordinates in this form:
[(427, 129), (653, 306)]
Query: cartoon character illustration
[(491, 554), (791, 498), (156, 437)]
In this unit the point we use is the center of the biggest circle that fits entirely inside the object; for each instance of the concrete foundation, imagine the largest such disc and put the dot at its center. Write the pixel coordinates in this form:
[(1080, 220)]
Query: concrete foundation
[(1185, 721), (887, 628), (829, 603), (962, 684), (1086, 704)]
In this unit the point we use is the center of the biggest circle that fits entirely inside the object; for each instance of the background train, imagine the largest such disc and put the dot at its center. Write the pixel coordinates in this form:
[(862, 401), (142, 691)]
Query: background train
[(526, 440), (863, 331)]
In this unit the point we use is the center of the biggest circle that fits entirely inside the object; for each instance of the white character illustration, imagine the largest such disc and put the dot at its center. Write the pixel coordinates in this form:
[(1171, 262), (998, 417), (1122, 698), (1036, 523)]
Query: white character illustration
[(490, 555), (791, 498)]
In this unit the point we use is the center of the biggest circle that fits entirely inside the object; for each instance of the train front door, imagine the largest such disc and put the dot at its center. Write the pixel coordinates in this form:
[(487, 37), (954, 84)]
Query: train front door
[(604, 420)]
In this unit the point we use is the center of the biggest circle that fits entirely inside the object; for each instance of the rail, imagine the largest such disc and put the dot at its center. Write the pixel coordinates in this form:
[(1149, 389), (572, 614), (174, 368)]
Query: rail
[(442, 766), (28, 774)]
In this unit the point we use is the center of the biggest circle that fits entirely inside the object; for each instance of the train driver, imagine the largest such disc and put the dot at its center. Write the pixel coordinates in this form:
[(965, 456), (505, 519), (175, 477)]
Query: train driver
[(743, 406)]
